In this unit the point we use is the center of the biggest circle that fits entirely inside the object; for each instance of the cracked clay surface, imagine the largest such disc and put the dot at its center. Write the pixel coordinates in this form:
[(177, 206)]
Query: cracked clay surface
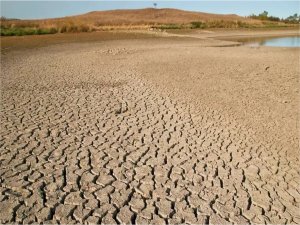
[(86, 138)]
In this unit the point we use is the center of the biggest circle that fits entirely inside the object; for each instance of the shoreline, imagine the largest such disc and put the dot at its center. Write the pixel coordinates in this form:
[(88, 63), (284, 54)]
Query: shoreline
[(33, 41)]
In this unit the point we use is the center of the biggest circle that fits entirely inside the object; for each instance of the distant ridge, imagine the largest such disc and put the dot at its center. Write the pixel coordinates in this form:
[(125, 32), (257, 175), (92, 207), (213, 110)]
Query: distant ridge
[(150, 16), (165, 18)]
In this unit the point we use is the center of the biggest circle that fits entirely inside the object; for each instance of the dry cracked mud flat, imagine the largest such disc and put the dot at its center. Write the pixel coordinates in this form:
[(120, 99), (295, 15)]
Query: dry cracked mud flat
[(85, 138)]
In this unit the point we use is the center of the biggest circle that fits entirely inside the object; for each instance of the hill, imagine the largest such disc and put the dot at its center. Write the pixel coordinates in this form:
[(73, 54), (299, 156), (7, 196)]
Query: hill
[(152, 16), (135, 19)]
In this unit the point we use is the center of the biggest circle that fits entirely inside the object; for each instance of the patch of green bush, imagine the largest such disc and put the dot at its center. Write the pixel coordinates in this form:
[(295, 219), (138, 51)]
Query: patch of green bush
[(42, 31), (168, 26), (20, 31), (198, 25), (270, 24)]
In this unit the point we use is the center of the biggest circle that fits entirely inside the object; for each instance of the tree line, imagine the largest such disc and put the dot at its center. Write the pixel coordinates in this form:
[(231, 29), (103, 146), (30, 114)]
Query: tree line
[(265, 16)]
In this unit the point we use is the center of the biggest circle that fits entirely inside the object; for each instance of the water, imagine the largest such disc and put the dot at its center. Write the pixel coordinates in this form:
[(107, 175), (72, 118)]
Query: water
[(276, 42)]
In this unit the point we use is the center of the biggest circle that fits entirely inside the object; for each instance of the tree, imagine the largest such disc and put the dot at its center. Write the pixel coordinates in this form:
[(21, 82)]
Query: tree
[(263, 15), (154, 4), (293, 19)]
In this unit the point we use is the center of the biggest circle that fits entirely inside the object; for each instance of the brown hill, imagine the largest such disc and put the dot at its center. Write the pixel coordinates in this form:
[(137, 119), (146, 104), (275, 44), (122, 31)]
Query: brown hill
[(140, 16), (152, 16), (134, 19)]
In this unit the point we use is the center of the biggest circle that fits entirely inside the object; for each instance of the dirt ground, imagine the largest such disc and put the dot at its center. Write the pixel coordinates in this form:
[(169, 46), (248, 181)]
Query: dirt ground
[(157, 129)]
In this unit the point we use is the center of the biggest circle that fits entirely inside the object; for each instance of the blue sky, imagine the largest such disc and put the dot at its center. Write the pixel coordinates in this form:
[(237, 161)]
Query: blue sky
[(51, 9)]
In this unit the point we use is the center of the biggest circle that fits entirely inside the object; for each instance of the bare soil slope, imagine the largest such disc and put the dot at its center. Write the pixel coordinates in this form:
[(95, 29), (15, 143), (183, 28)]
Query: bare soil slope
[(150, 15), (147, 16)]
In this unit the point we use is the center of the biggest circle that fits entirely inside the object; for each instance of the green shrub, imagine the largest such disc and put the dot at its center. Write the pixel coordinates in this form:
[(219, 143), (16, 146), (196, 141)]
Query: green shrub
[(19, 31), (168, 26), (42, 31), (198, 24)]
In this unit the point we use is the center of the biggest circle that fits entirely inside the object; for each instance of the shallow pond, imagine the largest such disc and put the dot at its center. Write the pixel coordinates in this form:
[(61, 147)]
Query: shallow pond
[(274, 41)]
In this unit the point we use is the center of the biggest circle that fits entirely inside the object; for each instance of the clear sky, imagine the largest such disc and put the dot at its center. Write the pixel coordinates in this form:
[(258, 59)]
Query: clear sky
[(49, 9)]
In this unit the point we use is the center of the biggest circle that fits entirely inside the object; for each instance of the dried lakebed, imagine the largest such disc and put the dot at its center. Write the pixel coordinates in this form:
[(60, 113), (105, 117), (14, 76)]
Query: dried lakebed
[(86, 138)]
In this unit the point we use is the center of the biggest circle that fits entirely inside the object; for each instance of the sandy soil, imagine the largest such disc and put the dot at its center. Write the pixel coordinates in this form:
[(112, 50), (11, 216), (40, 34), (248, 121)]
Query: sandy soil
[(161, 130)]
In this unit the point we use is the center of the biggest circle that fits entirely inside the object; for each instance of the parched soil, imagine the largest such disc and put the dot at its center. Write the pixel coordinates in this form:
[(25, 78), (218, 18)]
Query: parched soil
[(160, 130)]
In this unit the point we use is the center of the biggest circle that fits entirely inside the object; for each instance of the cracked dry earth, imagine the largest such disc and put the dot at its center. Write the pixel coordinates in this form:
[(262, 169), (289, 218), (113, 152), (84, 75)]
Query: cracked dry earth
[(86, 139)]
